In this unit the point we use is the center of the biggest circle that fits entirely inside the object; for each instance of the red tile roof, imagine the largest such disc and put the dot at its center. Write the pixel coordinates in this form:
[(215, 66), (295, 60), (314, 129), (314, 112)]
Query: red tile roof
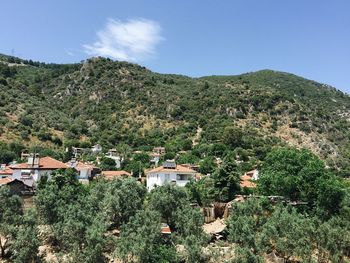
[(110, 175), (246, 182), (80, 166), (45, 163), (166, 230), (6, 171), (4, 181), (179, 169)]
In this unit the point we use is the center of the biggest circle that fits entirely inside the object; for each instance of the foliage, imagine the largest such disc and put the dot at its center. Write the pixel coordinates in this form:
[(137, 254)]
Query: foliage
[(141, 239), (226, 181), (10, 217), (121, 199), (246, 222), (26, 242), (302, 176), (144, 109), (289, 234), (167, 200)]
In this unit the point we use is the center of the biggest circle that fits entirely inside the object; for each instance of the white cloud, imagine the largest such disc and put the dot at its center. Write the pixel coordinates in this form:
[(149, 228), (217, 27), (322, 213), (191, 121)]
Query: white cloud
[(133, 40)]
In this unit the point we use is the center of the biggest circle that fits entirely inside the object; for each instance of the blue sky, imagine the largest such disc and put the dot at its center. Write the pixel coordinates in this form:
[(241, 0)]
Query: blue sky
[(310, 38)]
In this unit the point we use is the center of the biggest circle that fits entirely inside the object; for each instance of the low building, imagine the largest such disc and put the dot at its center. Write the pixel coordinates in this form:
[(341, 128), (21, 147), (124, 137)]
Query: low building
[(85, 171), (31, 171), (110, 175), (247, 180), (5, 171), (169, 172), (16, 187)]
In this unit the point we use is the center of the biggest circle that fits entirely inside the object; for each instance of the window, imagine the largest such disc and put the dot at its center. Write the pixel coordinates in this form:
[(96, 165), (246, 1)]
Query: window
[(181, 177)]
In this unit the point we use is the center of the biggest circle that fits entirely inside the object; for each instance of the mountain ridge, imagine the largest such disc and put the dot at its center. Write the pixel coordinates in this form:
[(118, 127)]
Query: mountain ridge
[(111, 102)]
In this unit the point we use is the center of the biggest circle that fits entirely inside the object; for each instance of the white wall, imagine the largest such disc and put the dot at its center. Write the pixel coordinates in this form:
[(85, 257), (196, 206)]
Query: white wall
[(33, 178), (162, 178)]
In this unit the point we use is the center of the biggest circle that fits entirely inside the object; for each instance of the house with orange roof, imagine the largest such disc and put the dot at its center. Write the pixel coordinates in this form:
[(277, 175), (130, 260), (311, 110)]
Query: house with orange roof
[(247, 180), (5, 171), (110, 175), (86, 171), (169, 172), (36, 166)]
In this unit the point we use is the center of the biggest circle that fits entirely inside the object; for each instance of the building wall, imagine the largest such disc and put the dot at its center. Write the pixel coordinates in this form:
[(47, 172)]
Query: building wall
[(161, 178), (84, 174), (34, 176)]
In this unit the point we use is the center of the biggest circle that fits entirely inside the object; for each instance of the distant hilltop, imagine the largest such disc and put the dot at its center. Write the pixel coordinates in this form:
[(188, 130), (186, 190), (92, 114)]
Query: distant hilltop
[(110, 102)]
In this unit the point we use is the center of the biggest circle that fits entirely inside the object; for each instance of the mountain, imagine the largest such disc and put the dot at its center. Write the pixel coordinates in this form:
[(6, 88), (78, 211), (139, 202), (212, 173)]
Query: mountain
[(109, 102)]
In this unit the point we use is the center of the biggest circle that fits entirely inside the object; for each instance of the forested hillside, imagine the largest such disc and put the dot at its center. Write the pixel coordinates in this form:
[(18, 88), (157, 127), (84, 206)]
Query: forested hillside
[(53, 106)]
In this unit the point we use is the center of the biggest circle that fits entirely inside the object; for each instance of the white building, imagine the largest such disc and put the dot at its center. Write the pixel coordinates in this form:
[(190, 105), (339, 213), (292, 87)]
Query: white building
[(85, 171), (96, 148), (5, 171), (169, 172), (31, 171)]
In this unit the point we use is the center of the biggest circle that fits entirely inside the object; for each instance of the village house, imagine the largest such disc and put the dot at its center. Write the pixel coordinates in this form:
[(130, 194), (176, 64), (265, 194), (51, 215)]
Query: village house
[(169, 172), (110, 175), (247, 180), (85, 171), (16, 186), (77, 152), (31, 171), (5, 171)]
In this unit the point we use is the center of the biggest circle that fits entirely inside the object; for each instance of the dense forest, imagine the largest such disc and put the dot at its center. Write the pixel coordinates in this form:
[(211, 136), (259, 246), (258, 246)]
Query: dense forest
[(295, 131)]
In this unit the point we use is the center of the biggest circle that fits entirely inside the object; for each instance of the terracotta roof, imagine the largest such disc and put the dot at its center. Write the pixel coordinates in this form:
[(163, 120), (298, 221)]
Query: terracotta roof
[(246, 182), (45, 163), (113, 174), (4, 181), (179, 169), (81, 166), (166, 230), (6, 171)]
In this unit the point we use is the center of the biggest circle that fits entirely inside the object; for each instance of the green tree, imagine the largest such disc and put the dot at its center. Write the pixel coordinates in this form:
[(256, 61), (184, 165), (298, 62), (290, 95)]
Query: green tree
[(107, 164), (166, 200), (233, 137), (245, 255), (226, 181), (10, 217), (141, 240), (289, 234), (301, 175), (122, 198), (189, 231), (202, 192), (25, 247), (333, 239), (207, 166), (246, 222)]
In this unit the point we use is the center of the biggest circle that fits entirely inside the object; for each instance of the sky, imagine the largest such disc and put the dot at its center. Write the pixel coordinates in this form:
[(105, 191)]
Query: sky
[(310, 38)]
